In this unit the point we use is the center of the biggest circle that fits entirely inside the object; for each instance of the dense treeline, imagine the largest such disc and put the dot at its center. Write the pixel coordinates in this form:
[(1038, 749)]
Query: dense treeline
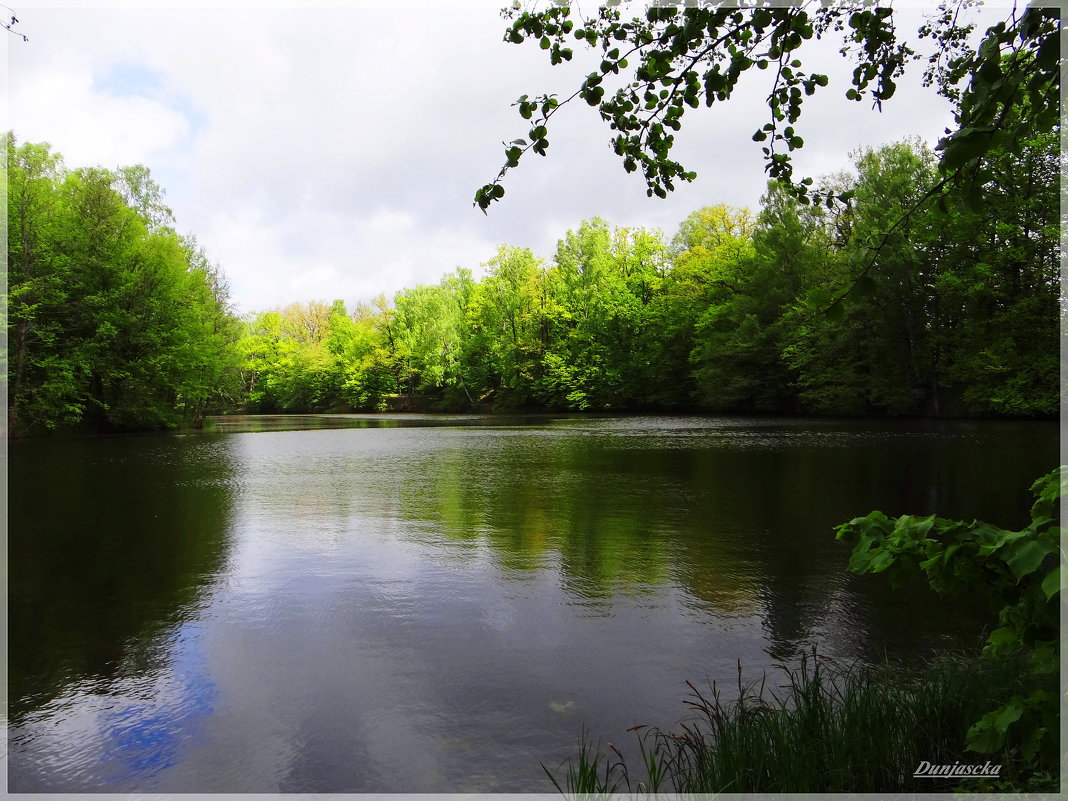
[(117, 322), (114, 320), (735, 313)]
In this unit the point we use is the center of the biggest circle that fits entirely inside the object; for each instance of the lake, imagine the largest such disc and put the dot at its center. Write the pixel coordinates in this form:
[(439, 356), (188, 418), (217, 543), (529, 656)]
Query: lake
[(426, 603)]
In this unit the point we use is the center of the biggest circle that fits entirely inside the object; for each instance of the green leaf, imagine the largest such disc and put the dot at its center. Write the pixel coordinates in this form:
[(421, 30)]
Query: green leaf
[(1032, 742), (484, 196), (917, 528), (972, 201), (927, 564), (881, 561), (1048, 53), (982, 737), (1006, 716), (1003, 636), (1045, 658), (963, 146), (1051, 584), (990, 49), (1028, 556), (1047, 490)]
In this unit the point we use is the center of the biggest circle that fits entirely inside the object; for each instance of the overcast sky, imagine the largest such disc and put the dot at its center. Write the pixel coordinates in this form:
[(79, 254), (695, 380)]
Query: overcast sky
[(334, 152)]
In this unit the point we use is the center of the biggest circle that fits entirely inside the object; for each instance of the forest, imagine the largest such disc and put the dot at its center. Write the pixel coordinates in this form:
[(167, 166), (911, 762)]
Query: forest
[(115, 322), (118, 322), (729, 315)]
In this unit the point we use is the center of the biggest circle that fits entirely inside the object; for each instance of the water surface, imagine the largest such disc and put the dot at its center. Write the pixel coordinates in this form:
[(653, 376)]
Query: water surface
[(430, 603)]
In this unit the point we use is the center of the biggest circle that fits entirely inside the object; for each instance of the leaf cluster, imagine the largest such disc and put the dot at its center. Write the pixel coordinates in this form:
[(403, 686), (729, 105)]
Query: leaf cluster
[(672, 58), (1020, 571), (1013, 91)]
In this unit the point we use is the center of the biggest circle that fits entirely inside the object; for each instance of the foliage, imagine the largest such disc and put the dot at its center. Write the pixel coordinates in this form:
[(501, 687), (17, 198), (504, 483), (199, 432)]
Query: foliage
[(961, 317), (114, 320), (1020, 571), (507, 311), (753, 277), (584, 774), (288, 365), (669, 58), (829, 727)]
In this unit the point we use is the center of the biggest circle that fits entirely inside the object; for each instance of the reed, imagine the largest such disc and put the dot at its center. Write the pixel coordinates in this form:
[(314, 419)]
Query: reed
[(823, 726)]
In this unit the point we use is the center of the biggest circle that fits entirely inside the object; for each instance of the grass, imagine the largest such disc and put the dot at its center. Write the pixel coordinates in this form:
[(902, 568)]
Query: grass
[(826, 726)]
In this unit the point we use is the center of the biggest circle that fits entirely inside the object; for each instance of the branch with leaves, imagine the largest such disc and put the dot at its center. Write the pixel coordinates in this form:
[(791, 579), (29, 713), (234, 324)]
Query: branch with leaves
[(674, 58), (1019, 570)]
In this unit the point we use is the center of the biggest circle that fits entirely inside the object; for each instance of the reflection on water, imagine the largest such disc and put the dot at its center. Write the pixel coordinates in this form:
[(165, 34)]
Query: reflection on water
[(244, 423), (114, 546), (430, 603)]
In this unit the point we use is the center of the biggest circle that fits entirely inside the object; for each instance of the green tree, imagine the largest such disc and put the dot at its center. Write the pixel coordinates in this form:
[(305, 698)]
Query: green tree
[(114, 320), (361, 344), (960, 314), (209, 359), (596, 286), (998, 286), (507, 311), (140, 192), (874, 356), (428, 332), (753, 285), (289, 363), (41, 384), (648, 372)]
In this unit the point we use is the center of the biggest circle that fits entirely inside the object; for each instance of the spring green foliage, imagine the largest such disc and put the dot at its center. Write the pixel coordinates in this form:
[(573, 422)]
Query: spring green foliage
[(736, 312), (114, 320), (822, 727), (1019, 571), (668, 58)]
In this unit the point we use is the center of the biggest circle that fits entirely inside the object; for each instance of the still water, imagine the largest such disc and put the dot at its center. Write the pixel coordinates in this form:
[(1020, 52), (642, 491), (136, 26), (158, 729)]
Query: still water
[(441, 604)]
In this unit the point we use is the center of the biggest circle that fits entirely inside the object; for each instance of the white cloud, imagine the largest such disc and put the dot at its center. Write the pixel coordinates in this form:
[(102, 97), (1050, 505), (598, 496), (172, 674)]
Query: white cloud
[(335, 151), (110, 130)]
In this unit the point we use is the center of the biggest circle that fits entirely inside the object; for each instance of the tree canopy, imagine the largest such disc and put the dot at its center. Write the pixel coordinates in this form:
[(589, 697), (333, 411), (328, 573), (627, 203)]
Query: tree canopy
[(961, 318), (665, 59), (114, 320), (117, 322)]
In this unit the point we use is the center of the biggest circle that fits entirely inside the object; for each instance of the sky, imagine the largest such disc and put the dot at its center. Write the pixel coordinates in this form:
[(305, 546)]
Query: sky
[(334, 152)]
